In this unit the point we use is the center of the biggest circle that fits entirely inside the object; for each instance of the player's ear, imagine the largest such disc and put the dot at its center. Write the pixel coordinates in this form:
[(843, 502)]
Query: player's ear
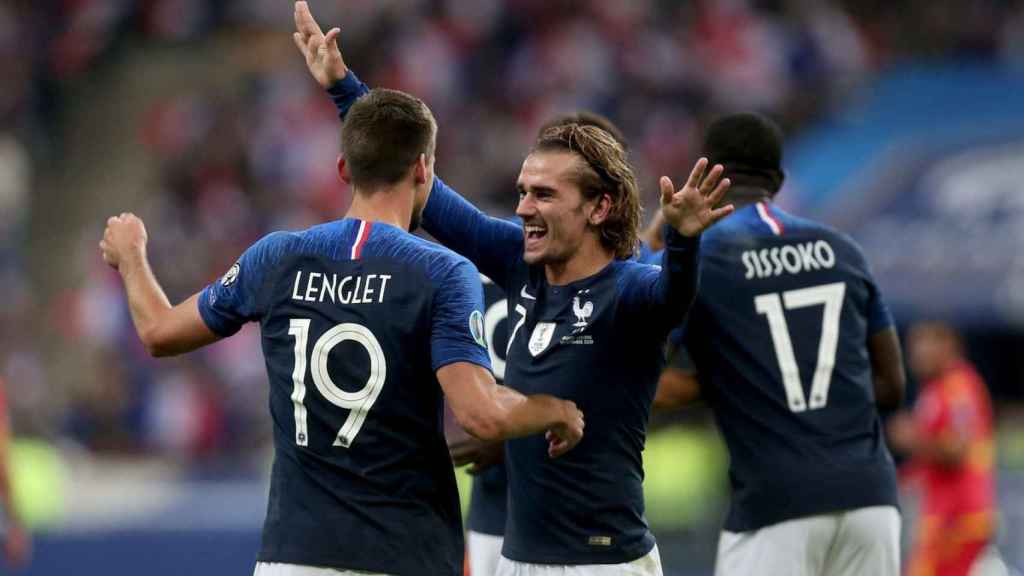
[(343, 172), (599, 213), (421, 172)]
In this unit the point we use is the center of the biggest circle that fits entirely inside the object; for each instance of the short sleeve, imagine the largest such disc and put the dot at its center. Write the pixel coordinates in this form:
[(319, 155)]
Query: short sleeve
[(234, 299), (457, 325), (878, 315)]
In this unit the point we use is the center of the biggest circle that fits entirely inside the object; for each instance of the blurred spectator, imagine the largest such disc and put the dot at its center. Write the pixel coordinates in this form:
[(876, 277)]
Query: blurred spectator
[(248, 145), (16, 540), (948, 439)]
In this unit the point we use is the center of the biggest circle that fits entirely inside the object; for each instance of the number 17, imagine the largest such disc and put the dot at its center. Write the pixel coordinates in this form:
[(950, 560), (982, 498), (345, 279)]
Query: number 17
[(831, 295)]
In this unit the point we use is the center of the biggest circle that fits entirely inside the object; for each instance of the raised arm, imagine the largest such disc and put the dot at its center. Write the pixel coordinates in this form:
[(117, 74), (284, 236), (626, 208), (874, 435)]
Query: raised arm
[(665, 297), (165, 330), (491, 243)]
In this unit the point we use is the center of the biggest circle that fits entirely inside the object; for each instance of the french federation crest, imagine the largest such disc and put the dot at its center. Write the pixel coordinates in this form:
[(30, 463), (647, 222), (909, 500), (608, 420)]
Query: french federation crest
[(231, 275), (541, 337), (582, 310)]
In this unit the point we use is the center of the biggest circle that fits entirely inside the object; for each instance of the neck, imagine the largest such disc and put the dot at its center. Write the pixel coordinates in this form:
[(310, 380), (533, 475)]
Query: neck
[(740, 196), (391, 205), (588, 260)]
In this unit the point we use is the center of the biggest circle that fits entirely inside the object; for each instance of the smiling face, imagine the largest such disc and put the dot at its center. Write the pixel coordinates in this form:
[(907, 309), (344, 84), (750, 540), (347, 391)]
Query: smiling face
[(556, 218)]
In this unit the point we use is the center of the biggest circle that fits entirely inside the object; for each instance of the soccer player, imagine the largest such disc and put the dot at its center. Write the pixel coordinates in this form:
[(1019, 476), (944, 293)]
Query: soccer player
[(793, 348), (949, 441), (363, 326), (489, 496), (587, 323)]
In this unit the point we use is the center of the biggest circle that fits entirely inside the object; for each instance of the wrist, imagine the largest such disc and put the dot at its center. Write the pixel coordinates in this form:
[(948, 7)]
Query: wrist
[(132, 262)]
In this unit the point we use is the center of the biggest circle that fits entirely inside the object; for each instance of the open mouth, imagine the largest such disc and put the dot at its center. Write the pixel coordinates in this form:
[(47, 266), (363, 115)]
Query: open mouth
[(534, 232)]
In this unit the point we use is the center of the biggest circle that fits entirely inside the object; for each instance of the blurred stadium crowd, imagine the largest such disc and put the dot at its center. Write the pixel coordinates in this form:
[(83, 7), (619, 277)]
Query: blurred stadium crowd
[(252, 148)]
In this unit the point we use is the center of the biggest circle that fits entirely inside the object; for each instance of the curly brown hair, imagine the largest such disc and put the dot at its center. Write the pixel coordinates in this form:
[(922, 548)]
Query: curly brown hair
[(605, 169)]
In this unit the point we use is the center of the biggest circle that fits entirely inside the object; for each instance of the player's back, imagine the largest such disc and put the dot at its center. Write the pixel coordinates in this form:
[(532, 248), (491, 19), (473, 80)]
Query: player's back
[(779, 337), (351, 335)]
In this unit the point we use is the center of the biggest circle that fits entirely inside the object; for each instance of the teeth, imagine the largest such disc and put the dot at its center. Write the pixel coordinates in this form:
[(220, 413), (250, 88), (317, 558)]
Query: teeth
[(531, 229)]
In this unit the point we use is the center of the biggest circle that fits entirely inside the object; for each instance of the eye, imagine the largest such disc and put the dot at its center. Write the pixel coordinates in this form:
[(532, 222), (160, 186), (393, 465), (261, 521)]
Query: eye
[(521, 193)]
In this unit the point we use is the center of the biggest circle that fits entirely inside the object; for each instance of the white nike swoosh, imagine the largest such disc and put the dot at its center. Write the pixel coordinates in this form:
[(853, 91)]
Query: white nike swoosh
[(524, 294)]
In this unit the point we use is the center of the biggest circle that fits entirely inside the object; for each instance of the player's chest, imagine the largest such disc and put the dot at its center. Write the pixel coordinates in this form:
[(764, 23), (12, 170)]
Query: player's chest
[(556, 329)]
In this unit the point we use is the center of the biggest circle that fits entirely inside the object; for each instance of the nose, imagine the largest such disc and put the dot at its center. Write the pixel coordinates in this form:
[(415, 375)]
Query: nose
[(526, 206)]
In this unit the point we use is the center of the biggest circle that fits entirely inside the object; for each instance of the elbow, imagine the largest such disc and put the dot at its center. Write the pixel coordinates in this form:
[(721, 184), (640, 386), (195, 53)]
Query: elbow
[(155, 344)]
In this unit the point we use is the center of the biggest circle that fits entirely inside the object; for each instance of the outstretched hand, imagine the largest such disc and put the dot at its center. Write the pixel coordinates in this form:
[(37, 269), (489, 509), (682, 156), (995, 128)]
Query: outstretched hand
[(323, 58), (691, 209)]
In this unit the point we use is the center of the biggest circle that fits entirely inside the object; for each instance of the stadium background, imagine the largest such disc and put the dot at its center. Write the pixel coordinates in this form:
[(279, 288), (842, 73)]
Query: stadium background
[(904, 122)]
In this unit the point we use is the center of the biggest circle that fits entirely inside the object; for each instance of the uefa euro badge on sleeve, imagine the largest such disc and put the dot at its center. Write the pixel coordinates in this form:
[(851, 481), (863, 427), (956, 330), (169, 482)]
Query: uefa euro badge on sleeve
[(231, 275), (541, 337)]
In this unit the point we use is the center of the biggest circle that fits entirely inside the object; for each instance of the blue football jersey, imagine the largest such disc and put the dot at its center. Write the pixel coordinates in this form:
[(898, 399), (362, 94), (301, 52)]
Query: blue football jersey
[(779, 338), (489, 496), (356, 317), (598, 342)]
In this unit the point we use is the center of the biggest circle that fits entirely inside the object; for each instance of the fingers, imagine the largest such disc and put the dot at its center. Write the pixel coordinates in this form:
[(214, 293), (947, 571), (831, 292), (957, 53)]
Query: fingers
[(708, 184), (719, 192), (719, 213), (300, 44), (304, 21), (697, 174), (667, 190), (331, 39)]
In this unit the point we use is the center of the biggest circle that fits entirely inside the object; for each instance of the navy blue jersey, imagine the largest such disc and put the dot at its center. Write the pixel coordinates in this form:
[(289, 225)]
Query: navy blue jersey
[(489, 498), (598, 342), (356, 317), (779, 338)]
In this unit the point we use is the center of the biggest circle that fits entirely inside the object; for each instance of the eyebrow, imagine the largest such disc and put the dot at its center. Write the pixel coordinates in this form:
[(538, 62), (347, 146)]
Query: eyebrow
[(538, 188)]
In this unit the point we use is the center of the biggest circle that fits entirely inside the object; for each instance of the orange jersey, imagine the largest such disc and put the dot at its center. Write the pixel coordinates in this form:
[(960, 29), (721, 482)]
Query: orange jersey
[(957, 513), (956, 406)]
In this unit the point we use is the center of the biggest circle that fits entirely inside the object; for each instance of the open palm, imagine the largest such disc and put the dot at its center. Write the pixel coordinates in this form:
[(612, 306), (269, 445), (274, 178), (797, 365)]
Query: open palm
[(323, 58), (691, 209)]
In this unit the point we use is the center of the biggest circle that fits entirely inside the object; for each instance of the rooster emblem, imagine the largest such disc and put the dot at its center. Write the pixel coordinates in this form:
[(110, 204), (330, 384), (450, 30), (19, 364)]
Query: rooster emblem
[(582, 311)]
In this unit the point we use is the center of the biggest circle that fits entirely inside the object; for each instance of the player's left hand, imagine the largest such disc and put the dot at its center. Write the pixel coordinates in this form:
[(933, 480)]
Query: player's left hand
[(125, 237), (691, 209)]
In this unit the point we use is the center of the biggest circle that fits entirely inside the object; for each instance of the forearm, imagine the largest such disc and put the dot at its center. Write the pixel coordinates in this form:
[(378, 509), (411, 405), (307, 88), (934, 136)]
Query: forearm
[(146, 299), (944, 451), (345, 92), (676, 286), (526, 415), (490, 243), (652, 234)]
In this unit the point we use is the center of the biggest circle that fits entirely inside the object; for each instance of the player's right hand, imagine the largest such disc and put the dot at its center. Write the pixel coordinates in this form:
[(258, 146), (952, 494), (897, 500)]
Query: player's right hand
[(568, 434), (323, 58), (124, 237)]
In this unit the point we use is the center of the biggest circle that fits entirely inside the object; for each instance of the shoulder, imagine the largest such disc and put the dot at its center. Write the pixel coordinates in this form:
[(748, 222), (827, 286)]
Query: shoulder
[(629, 271), (436, 261), (270, 249)]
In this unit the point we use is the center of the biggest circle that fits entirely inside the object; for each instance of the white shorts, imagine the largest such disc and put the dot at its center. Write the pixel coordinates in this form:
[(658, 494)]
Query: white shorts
[(484, 551), (280, 569), (649, 565), (851, 543)]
